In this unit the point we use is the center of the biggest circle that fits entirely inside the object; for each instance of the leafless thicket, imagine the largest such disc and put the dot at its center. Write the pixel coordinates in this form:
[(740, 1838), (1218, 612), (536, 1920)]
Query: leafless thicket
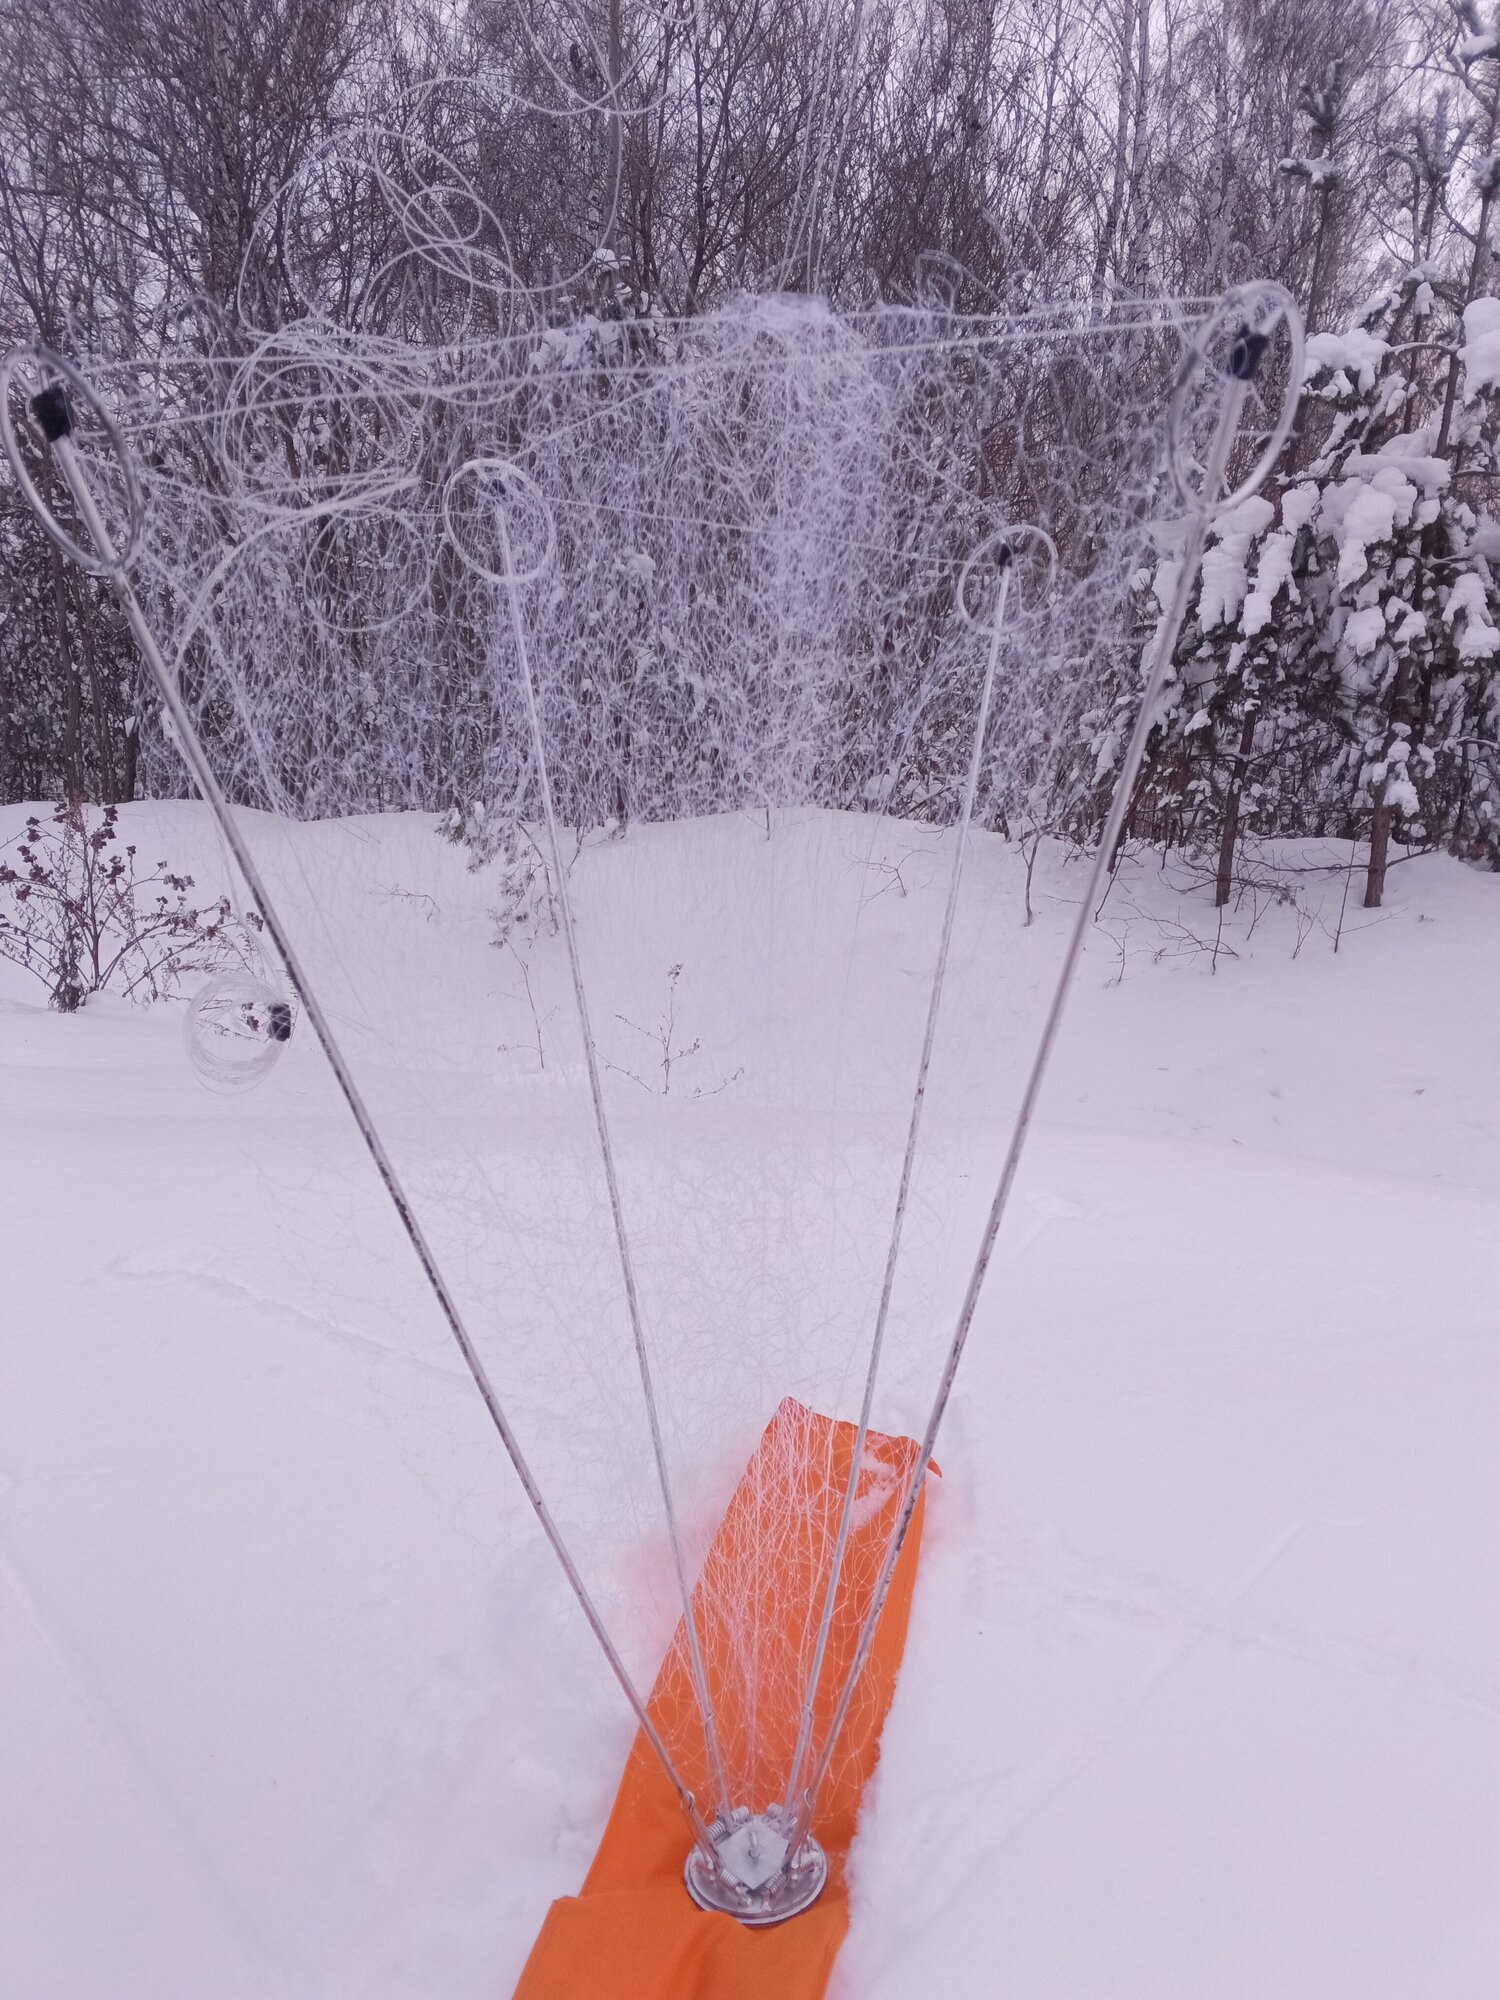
[(865, 148)]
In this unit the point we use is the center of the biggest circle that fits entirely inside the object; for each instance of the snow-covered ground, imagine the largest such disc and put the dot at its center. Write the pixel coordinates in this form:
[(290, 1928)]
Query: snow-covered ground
[(1202, 1693)]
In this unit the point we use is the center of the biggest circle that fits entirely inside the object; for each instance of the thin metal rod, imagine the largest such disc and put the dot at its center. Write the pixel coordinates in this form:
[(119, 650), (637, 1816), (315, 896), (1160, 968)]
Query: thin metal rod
[(611, 1177), (893, 1251), (1166, 644), (202, 771)]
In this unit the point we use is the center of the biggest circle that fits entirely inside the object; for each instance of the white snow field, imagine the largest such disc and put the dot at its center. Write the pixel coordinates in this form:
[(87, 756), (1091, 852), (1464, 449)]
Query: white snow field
[(1201, 1698)]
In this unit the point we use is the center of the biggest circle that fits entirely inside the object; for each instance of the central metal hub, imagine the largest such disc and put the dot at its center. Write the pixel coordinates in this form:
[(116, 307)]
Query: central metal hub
[(750, 1872)]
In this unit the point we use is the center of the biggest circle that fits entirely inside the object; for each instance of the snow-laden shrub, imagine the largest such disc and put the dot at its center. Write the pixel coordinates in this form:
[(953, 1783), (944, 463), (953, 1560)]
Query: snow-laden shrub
[(1337, 673)]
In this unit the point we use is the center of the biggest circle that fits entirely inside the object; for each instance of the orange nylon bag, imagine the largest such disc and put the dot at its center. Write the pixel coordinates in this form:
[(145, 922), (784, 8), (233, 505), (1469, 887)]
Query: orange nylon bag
[(632, 1932)]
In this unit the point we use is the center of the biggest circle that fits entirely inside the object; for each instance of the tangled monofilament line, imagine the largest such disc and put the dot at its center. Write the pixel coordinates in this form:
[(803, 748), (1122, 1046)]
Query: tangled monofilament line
[(759, 514)]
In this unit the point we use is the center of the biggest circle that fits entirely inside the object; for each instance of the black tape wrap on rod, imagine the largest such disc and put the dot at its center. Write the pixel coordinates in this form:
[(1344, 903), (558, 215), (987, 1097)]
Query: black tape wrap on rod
[(50, 408), (1245, 355)]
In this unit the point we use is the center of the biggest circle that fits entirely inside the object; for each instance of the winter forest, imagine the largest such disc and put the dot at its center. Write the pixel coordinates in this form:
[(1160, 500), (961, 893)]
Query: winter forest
[(1336, 675)]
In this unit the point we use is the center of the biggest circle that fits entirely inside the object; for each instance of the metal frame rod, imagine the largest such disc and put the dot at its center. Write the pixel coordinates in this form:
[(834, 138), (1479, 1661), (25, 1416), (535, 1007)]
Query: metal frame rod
[(611, 1176), (1199, 521), (196, 759), (893, 1250)]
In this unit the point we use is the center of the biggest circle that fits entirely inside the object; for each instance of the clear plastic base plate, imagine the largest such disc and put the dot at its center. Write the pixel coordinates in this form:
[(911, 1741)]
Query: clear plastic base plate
[(749, 1874)]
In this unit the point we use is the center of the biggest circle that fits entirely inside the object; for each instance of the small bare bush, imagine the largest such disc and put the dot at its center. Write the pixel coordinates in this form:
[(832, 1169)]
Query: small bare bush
[(75, 913)]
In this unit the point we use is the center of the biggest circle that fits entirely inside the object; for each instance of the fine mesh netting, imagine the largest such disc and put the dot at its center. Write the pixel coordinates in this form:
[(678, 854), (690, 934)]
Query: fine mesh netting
[(712, 570)]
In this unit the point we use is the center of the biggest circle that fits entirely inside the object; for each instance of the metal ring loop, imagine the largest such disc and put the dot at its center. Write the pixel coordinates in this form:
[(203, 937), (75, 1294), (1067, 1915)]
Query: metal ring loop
[(1258, 308), (1005, 545), (514, 485), (94, 561)]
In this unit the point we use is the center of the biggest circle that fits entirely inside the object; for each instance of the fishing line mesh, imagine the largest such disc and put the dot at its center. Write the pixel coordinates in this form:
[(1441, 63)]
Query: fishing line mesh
[(732, 546)]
